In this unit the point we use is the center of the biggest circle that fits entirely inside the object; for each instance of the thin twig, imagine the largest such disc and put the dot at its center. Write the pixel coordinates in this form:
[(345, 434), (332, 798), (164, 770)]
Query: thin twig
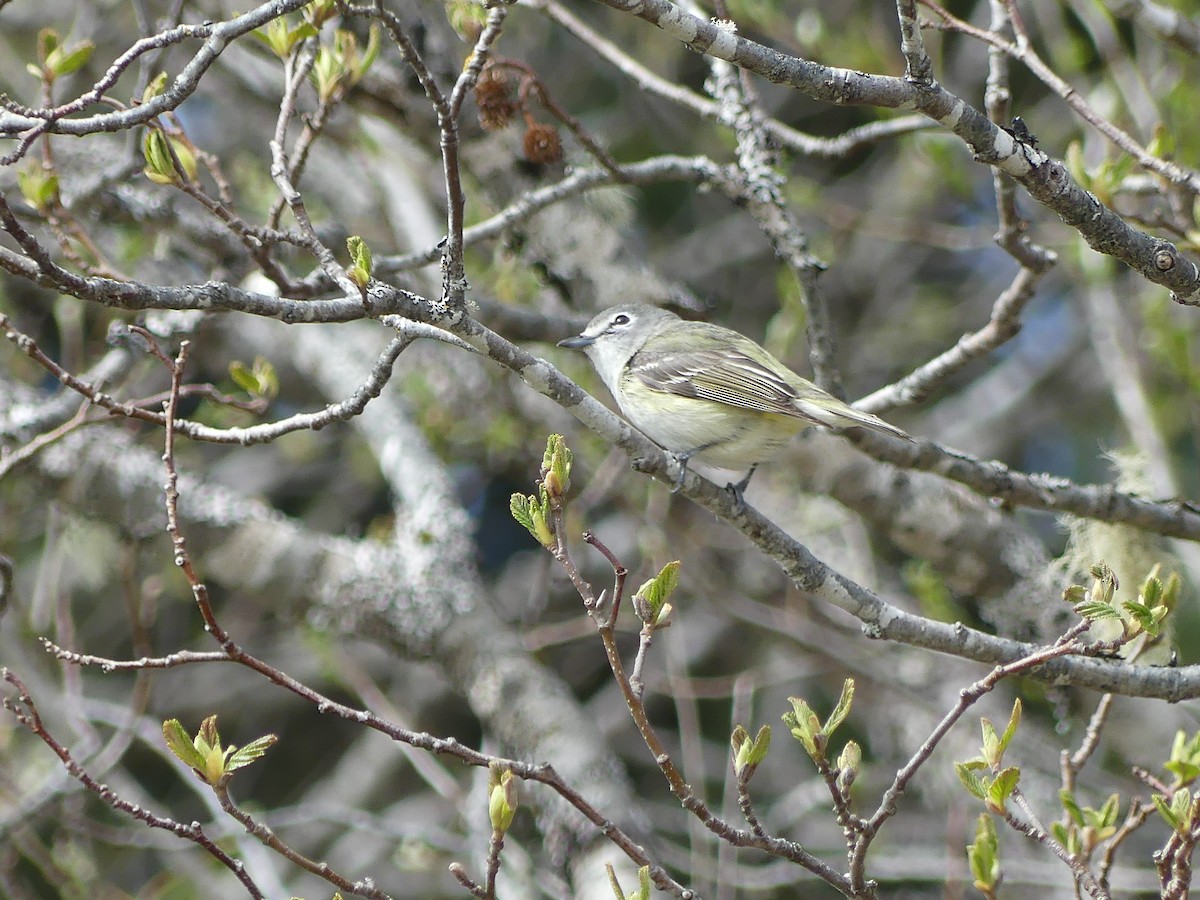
[(362, 888), (1022, 50), (26, 712), (347, 409), (666, 764)]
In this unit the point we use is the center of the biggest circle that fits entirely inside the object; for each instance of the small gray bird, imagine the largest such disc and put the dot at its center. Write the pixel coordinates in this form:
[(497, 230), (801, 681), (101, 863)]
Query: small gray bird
[(705, 392)]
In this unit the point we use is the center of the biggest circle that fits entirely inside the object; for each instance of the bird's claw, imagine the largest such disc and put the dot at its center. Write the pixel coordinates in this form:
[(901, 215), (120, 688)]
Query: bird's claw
[(739, 499), (682, 460), (739, 490)]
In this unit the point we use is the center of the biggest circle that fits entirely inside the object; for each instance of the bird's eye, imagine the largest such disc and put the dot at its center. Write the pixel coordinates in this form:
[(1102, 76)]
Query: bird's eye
[(622, 319)]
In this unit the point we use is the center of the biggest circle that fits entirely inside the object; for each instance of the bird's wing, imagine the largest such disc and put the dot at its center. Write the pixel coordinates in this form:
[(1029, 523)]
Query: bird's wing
[(728, 375), (723, 376)]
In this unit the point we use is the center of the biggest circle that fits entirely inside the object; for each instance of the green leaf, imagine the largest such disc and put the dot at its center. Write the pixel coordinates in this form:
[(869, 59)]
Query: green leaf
[(185, 155), (1181, 805), (327, 73), (529, 513), (656, 591), (64, 61), (1107, 815), (845, 701), (1073, 842), (1095, 611), (1163, 142), (748, 753), (502, 798), (1143, 615), (1076, 593), (928, 586), (1002, 787), (518, 505), (761, 745), (39, 186), (738, 737), (283, 38), (972, 782), (320, 11), (1105, 586), (179, 742), (1010, 729), (47, 42), (1167, 813), (1076, 165), (160, 166), (260, 380), (983, 854), (361, 262), (991, 743), (243, 756), (613, 884), (274, 36), (1059, 832), (1186, 772), (242, 376), (1184, 762), (806, 728), (644, 884), (850, 757), (208, 743), (1101, 824), (208, 735), (155, 87), (467, 19), (1179, 745), (1152, 589), (556, 468), (541, 525), (849, 764), (370, 54), (1067, 799), (1170, 598)]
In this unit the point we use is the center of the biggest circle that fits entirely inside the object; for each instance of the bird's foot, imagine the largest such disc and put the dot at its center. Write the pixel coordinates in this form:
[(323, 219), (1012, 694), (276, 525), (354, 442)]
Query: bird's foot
[(739, 491), (682, 459), (648, 465)]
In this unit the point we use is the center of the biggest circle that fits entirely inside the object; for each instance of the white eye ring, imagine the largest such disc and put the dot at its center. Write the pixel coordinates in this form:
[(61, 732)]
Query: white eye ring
[(622, 319)]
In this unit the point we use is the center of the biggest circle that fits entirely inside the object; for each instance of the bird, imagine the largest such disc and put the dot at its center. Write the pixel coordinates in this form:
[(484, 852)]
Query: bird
[(705, 392)]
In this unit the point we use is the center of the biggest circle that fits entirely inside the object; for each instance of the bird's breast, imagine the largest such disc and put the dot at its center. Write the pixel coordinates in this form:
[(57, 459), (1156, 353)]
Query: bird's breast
[(728, 437)]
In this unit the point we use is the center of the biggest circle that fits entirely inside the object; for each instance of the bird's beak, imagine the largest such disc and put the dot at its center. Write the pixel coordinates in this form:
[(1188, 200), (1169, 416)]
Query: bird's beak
[(578, 342)]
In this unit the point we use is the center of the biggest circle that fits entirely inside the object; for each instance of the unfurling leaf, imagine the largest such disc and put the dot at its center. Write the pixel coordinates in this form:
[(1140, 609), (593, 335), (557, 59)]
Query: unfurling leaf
[(243, 756), (651, 598), (749, 752), (161, 153), (983, 855), (204, 753), (806, 728), (362, 265), (502, 798), (845, 701), (966, 772), (39, 186), (180, 743), (555, 473)]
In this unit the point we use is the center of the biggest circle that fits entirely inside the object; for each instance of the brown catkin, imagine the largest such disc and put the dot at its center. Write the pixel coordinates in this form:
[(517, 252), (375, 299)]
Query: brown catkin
[(542, 143)]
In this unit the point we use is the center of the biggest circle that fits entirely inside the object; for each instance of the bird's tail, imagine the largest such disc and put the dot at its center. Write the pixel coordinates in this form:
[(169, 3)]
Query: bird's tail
[(836, 414)]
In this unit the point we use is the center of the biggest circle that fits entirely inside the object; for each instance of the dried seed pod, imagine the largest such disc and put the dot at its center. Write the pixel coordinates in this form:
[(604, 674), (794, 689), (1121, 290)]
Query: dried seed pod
[(542, 143), (492, 96)]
